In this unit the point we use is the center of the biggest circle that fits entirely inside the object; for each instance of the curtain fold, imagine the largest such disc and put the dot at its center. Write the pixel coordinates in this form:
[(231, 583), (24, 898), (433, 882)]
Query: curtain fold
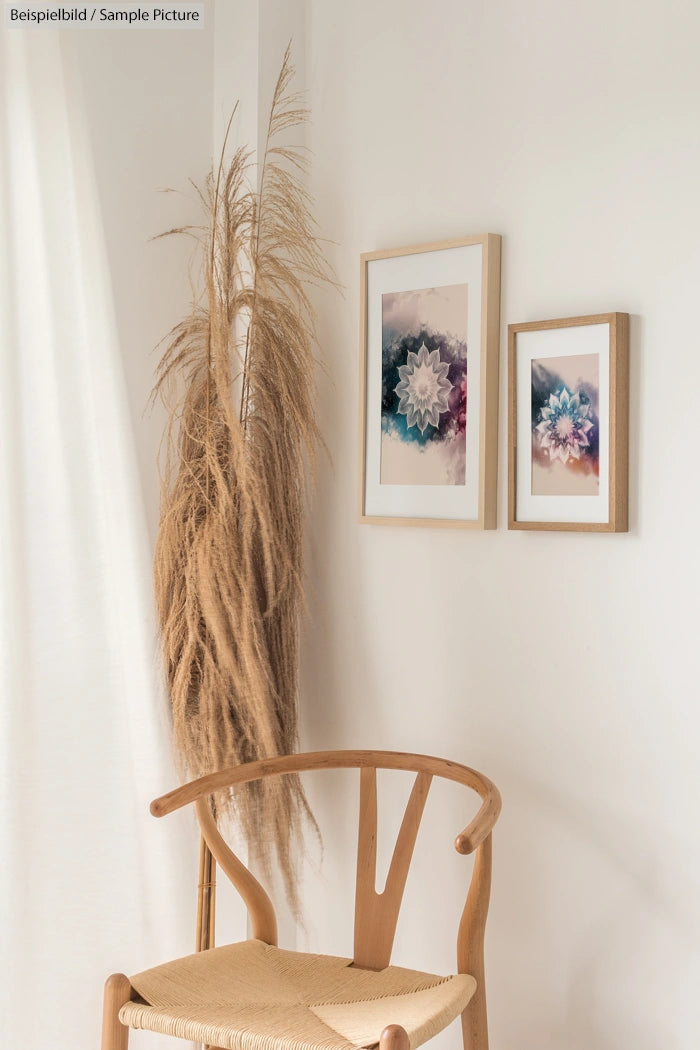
[(90, 882)]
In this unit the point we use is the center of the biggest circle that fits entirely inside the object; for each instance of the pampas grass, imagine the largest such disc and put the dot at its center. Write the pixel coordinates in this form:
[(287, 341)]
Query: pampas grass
[(241, 441)]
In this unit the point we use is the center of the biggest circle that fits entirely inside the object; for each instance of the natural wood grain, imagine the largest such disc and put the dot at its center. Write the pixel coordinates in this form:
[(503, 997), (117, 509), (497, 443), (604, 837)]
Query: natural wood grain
[(430, 246), (206, 899), (394, 1037), (423, 523), (376, 914), (115, 1035), (490, 345), (362, 426), (489, 358), (470, 948), (512, 429), (466, 841), (618, 424), (260, 909)]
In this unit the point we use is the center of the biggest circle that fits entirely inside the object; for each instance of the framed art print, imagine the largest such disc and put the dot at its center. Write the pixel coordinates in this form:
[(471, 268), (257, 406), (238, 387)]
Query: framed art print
[(429, 384), (568, 421)]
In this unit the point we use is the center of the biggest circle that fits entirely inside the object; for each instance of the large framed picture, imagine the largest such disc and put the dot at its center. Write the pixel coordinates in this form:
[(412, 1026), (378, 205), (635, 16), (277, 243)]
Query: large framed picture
[(568, 424), (429, 384)]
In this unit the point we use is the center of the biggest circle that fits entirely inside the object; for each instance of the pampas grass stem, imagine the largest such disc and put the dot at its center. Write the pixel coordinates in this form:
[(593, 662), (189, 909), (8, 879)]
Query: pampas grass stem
[(228, 562)]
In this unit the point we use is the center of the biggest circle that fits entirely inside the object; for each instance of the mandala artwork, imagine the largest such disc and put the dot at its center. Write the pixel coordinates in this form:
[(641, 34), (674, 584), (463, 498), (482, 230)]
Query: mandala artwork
[(424, 386), (423, 389), (564, 425), (565, 453)]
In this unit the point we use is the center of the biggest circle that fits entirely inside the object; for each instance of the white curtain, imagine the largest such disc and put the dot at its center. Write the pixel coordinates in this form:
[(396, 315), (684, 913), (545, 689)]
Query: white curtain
[(90, 883)]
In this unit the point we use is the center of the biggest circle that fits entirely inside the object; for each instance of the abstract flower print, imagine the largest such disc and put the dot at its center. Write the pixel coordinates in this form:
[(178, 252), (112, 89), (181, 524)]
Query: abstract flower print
[(564, 426), (565, 455), (423, 389), (424, 386)]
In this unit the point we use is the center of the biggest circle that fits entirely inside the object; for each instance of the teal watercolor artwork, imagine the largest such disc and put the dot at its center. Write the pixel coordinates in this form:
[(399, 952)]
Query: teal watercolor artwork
[(424, 386)]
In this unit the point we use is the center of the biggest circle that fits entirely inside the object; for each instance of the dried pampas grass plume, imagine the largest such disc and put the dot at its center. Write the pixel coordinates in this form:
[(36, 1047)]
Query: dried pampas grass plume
[(242, 435)]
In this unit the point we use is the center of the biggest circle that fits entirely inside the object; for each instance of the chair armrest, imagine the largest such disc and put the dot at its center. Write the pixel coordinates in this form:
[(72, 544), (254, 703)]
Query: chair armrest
[(476, 831)]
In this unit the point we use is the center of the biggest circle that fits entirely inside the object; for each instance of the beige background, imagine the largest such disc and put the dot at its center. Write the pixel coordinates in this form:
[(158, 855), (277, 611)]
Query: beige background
[(555, 479), (565, 665)]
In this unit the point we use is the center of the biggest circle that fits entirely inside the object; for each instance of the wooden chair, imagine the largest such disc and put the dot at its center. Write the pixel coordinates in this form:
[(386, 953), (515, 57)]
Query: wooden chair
[(255, 996)]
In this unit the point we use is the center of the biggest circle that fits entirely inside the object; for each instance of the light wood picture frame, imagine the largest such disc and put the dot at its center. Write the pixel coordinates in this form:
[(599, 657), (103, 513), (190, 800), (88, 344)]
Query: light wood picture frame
[(568, 395), (429, 324)]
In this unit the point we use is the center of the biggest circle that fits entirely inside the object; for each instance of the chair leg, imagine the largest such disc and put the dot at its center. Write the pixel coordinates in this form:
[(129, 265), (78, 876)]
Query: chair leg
[(115, 1035), (475, 1033), (394, 1037), (470, 949)]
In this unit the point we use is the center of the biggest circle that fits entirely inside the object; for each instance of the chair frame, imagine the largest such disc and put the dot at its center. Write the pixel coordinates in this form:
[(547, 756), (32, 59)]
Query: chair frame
[(376, 914)]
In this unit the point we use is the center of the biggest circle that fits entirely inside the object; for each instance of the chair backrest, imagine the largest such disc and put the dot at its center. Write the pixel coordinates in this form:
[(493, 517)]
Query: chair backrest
[(376, 914)]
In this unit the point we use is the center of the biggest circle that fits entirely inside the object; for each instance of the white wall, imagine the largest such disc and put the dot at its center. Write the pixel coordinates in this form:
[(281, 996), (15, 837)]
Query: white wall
[(563, 665)]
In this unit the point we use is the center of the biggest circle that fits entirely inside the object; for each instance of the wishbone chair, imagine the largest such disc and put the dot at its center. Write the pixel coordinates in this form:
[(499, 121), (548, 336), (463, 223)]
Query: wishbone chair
[(256, 996)]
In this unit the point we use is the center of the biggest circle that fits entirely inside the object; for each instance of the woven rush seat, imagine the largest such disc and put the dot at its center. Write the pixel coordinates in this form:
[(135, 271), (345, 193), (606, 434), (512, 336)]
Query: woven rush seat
[(254, 996)]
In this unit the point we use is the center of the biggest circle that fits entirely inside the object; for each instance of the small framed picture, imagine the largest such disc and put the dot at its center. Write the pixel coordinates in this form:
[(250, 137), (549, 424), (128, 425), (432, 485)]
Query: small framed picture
[(568, 421), (429, 384)]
